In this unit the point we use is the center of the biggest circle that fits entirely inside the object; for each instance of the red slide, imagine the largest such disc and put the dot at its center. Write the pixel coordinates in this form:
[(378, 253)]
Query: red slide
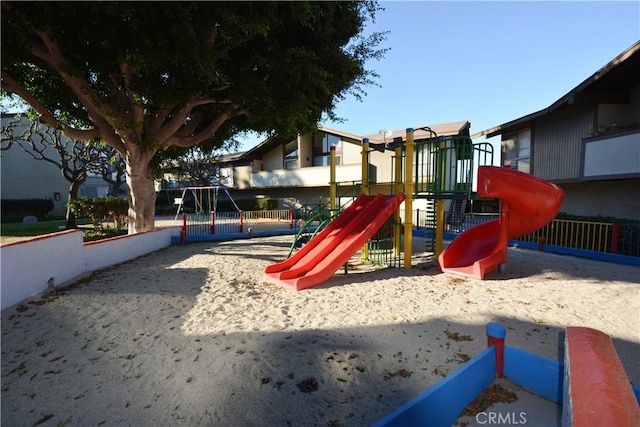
[(323, 255), (527, 204)]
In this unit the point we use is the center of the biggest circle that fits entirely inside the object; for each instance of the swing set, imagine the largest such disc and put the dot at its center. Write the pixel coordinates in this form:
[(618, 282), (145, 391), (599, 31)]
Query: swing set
[(205, 199)]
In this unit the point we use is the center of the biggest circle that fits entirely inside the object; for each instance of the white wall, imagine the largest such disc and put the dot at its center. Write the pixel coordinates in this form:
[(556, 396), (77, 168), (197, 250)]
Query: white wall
[(351, 153), (26, 266)]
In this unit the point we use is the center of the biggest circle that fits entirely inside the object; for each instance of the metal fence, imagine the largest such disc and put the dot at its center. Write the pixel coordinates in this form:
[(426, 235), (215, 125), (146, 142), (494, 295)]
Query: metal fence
[(236, 222), (616, 238), (383, 248), (626, 239), (587, 235)]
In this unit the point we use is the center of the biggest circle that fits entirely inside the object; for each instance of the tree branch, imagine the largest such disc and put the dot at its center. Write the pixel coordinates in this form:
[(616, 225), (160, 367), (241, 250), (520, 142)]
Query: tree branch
[(45, 116), (181, 124), (208, 132), (102, 116), (158, 119)]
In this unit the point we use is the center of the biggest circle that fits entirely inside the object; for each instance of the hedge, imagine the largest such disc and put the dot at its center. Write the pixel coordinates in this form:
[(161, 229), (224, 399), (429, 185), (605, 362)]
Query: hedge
[(13, 210), (99, 209)]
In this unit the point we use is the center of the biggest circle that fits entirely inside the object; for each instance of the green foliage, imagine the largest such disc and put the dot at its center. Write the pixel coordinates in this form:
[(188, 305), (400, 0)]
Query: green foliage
[(13, 210), (265, 204), (34, 229), (152, 79), (287, 63), (596, 218), (98, 209)]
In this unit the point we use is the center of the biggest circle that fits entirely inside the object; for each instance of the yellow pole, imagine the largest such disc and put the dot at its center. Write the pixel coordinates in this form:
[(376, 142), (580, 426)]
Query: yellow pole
[(408, 201), (332, 180), (440, 204), (365, 181), (365, 166), (397, 188)]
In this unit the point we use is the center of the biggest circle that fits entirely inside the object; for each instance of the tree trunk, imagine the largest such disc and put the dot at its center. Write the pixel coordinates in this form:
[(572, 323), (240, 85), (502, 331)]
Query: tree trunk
[(142, 194), (70, 218)]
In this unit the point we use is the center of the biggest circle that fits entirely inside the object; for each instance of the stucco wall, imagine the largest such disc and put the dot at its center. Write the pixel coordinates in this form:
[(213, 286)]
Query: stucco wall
[(273, 159), (28, 265), (619, 199)]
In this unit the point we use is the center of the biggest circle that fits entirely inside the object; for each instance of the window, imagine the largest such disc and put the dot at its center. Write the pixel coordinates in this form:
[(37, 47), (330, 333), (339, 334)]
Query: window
[(92, 191), (291, 155), (322, 143), (516, 150)]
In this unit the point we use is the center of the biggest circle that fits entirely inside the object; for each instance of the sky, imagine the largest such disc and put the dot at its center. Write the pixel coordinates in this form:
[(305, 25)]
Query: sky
[(484, 62)]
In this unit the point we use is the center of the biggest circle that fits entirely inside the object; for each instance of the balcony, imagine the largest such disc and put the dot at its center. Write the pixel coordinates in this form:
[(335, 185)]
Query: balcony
[(612, 156), (317, 176)]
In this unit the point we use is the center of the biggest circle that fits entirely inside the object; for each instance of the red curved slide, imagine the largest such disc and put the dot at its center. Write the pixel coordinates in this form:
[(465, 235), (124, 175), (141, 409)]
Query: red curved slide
[(323, 255), (527, 204)]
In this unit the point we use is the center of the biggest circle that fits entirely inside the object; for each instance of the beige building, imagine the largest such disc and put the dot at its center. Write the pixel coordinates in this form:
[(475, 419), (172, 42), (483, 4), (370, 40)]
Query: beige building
[(24, 177), (296, 171)]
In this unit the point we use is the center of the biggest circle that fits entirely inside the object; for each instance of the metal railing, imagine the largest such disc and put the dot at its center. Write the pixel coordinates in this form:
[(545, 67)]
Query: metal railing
[(272, 220), (381, 248), (622, 239), (347, 192), (236, 222), (617, 238), (587, 235), (446, 166)]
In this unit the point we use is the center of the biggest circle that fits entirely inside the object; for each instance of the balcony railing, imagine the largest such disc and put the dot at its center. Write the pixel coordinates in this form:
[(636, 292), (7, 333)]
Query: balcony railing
[(612, 155), (317, 176)]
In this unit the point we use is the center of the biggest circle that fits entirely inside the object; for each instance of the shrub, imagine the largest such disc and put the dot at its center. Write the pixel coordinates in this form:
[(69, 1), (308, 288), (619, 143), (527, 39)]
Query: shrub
[(266, 204), (14, 209), (99, 209)]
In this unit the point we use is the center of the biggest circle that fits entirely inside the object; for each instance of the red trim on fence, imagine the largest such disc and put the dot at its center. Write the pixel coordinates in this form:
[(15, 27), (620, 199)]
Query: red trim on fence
[(291, 218), (599, 391), (183, 233), (541, 242), (241, 221), (615, 236), (125, 236), (213, 223), (42, 237)]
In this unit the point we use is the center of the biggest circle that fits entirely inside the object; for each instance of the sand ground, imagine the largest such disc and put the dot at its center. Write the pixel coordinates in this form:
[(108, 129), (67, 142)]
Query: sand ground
[(194, 335)]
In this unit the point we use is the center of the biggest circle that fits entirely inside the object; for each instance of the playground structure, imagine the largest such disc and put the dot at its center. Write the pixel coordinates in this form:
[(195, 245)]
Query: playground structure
[(440, 169), (591, 385)]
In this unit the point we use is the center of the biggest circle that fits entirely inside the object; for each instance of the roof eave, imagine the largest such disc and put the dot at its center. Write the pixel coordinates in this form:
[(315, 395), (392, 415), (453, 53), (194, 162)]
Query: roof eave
[(567, 99)]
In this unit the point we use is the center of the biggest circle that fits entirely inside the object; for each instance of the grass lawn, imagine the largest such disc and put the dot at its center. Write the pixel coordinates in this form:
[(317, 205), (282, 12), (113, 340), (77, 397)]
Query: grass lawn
[(36, 229), (11, 230)]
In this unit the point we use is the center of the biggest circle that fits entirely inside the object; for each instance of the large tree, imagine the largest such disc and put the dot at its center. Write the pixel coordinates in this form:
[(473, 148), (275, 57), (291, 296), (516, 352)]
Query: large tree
[(153, 77)]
